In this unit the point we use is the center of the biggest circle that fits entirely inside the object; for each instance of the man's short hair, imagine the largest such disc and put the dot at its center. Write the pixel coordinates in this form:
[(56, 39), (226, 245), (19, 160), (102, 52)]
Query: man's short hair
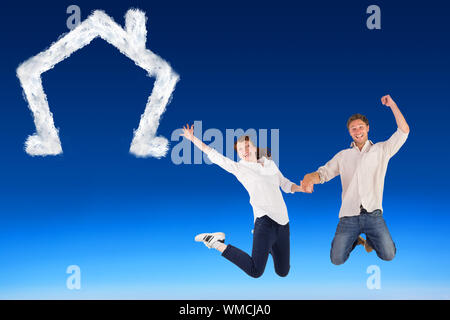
[(357, 116)]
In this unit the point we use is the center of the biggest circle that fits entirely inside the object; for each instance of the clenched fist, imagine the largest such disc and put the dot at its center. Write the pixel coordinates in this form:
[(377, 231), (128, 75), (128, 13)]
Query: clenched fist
[(387, 101)]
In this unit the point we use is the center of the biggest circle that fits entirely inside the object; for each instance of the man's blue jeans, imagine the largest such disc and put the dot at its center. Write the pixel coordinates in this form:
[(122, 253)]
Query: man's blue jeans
[(349, 229)]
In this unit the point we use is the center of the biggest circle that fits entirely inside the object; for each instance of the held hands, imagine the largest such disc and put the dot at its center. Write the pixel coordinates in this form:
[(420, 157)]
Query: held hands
[(188, 133), (387, 101), (306, 188), (300, 188), (307, 184)]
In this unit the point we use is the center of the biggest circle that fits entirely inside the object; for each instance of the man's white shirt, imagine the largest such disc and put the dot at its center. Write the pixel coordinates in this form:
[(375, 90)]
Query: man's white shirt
[(362, 173)]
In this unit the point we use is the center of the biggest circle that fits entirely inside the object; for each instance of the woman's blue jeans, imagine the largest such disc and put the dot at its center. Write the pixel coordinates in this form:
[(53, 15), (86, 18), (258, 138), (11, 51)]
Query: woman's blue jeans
[(268, 237)]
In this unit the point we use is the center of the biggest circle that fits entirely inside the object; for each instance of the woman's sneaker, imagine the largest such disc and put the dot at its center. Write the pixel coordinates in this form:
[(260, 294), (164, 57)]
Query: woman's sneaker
[(211, 240)]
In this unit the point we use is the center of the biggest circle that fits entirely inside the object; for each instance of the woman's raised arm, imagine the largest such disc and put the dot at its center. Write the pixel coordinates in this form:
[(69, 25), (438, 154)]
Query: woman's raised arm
[(215, 157), (188, 133)]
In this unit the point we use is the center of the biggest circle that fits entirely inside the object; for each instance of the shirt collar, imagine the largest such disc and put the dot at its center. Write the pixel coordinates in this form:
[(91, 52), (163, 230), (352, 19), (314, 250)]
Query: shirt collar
[(368, 142), (262, 160)]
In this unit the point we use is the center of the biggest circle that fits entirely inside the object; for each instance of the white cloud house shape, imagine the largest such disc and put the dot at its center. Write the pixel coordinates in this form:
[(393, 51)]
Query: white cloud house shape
[(131, 42)]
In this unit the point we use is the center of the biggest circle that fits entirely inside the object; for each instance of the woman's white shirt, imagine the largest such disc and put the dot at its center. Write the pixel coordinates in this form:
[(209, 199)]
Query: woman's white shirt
[(262, 182)]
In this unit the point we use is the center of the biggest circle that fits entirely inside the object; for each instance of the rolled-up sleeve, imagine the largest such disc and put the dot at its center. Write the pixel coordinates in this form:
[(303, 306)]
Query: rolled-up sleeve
[(394, 143), (330, 169), (222, 161)]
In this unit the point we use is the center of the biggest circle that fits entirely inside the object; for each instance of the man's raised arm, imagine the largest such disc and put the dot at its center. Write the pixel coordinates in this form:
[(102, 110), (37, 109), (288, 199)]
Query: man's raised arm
[(401, 122)]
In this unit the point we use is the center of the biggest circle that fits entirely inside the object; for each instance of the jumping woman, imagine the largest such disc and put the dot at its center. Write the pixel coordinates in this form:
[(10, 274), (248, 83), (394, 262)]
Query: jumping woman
[(262, 179)]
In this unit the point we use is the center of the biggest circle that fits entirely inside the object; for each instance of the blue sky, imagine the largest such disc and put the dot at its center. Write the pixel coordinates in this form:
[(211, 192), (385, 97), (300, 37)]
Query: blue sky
[(302, 68)]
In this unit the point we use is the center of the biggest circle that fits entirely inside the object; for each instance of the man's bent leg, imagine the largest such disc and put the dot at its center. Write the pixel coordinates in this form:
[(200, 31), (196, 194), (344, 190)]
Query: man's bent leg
[(345, 239), (378, 236)]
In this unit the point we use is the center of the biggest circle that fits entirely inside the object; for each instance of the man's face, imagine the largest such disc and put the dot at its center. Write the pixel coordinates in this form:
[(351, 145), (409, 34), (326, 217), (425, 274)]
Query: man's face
[(358, 130)]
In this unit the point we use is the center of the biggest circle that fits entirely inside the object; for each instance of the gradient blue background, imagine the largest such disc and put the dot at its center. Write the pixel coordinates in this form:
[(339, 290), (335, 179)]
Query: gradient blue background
[(302, 68)]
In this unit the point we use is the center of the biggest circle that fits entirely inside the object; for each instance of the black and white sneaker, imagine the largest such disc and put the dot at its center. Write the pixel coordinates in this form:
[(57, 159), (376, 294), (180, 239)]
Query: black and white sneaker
[(211, 239)]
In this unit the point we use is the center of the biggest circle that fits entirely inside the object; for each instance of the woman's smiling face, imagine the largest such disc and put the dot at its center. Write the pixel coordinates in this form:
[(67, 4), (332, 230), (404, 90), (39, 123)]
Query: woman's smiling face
[(246, 151)]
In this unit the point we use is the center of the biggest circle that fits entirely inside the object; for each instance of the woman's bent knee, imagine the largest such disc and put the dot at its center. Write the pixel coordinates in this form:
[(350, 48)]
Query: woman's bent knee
[(283, 273)]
